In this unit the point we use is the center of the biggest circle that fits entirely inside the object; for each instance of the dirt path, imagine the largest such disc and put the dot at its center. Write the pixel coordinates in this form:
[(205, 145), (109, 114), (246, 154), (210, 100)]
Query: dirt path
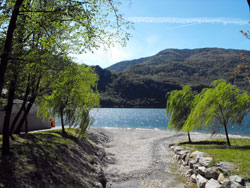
[(141, 158)]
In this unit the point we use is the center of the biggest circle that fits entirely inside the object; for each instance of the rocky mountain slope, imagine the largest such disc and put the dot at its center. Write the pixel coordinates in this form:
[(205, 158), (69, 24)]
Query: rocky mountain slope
[(144, 82)]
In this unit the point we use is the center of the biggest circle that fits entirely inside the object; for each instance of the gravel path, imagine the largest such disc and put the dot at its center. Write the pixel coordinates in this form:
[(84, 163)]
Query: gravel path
[(141, 158)]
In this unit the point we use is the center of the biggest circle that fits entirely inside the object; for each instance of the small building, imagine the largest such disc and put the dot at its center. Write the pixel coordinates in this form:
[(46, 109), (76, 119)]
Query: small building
[(34, 123)]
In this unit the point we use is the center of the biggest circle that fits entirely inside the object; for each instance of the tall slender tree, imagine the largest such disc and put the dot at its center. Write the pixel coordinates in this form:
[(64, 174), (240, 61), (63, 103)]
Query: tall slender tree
[(179, 105)]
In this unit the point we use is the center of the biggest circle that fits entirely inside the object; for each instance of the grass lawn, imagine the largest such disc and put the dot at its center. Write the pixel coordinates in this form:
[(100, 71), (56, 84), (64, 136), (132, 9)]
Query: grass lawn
[(238, 153)]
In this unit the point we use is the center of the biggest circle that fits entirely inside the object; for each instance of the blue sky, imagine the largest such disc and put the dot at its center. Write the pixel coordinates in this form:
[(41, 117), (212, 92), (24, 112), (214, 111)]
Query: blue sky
[(162, 24)]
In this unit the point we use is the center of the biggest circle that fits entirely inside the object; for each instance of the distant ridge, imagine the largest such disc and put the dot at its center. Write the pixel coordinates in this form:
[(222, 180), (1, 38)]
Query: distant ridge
[(144, 82), (169, 55), (123, 65)]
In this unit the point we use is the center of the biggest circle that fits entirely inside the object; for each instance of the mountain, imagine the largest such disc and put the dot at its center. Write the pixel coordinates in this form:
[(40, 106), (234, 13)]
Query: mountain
[(144, 82)]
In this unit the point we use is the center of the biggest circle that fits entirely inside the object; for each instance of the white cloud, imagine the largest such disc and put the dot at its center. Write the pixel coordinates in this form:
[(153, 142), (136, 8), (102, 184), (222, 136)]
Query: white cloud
[(103, 57), (187, 20)]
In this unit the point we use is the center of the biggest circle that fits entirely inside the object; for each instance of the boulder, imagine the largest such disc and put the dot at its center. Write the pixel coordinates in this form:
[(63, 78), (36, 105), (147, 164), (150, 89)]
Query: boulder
[(201, 181), (183, 153), (226, 184), (221, 178), (177, 149), (212, 172), (189, 173), (195, 167), (225, 166), (236, 185), (247, 185), (171, 146), (237, 179), (196, 155), (187, 158), (193, 178), (191, 163), (205, 161), (201, 170), (212, 183), (98, 185)]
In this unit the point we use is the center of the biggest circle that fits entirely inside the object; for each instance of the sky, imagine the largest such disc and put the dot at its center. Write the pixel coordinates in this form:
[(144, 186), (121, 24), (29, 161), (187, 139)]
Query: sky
[(180, 24)]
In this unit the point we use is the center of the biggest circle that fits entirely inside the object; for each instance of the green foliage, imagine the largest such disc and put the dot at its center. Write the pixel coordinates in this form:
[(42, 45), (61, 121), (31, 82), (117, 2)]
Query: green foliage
[(179, 105), (72, 96), (222, 104)]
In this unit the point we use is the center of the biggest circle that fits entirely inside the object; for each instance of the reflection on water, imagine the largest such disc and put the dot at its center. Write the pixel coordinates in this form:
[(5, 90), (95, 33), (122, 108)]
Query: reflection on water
[(146, 119)]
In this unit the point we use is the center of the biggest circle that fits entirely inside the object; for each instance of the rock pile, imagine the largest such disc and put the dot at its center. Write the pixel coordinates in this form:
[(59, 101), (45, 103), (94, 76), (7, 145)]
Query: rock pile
[(199, 169)]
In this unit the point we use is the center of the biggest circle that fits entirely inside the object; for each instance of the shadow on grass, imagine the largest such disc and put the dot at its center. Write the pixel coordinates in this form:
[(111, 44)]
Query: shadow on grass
[(46, 158), (215, 145)]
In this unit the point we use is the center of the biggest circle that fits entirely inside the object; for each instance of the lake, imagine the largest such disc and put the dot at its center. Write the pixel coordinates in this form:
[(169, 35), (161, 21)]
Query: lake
[(142, 118)]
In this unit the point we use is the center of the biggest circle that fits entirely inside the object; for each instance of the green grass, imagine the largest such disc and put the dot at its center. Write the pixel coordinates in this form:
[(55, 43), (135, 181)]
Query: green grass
[(238, 153)]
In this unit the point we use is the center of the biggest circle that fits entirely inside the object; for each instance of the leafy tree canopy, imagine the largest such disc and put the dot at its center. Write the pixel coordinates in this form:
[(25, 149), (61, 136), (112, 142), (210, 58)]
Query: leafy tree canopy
[(222, 104), (72, 96)]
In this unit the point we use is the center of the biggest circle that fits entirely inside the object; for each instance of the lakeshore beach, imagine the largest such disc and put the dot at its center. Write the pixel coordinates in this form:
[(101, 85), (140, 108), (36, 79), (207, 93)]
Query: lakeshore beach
[(142, 158)]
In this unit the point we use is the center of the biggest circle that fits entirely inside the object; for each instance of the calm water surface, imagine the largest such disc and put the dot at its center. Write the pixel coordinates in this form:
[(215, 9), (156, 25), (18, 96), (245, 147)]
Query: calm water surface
[(147, 119)]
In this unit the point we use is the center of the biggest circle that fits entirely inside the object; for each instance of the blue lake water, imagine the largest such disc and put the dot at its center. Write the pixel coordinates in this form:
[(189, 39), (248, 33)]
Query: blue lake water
[(147, 119)]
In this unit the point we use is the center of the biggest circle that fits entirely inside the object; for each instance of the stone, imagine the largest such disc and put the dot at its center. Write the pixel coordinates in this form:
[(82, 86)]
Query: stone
[(205, 161), (187, 158), (195, 167), (184, 162), (201, 181), (225, 166), (189, 173), (237, 179), (202, 170), (171, 146), (212, 183), (191, 163), (177, 149), (196, 155), (193, 178), (176, 157), (226, 184), (212, 172), (183, 153), (236, 185), (221, 178), (247, 185), (98, 185)]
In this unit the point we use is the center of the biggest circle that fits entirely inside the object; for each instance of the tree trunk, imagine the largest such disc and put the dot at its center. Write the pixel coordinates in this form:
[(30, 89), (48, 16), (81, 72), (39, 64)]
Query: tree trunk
[(8, 43), (24, 118), (26, 110), (11, 96), (21, 109), (228, 141), (62, 121), (189, 138)]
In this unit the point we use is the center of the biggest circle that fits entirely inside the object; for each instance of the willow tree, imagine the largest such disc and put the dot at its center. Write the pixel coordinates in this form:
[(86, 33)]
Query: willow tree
[(73, 96), (221, 105), (179, 105)]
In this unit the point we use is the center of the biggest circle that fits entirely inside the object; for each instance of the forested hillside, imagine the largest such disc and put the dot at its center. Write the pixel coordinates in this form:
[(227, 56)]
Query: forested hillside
[(144, 82)]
